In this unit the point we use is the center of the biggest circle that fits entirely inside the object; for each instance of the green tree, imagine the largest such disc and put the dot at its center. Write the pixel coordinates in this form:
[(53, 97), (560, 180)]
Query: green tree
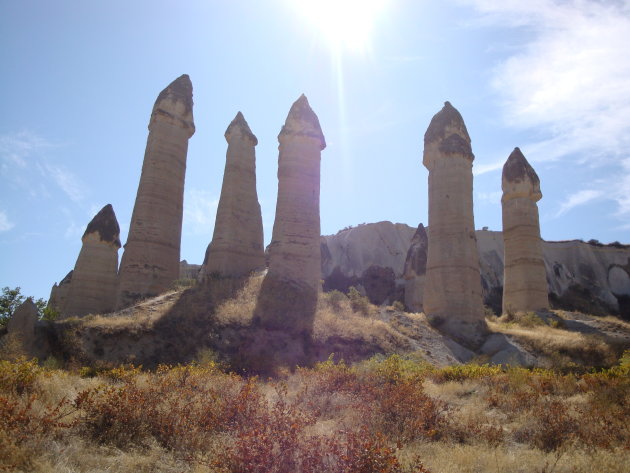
[(10, 299)]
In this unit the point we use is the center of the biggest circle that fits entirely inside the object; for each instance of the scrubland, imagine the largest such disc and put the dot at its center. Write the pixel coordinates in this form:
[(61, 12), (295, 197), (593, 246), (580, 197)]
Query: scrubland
[(387, 414)]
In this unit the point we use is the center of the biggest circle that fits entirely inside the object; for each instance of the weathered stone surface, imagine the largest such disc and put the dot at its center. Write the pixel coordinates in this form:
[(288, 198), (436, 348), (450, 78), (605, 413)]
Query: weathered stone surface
[(288, 296), (452, 293), (150, 262), (237, 246), (415, 270), (188, 271), (524, 282), (21, 325), (95, 275), (59, 293)]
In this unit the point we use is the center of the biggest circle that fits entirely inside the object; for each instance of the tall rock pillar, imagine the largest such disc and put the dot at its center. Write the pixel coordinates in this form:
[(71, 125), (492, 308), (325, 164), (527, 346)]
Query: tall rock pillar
[(237, 246), (95, 275), (524, 278), (452, 294), (150, 262), (288, 296)]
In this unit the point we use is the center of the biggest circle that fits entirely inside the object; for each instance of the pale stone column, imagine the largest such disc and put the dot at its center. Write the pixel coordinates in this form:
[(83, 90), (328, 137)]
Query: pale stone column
[(288, 297), (150, 262), (95, 275), (237, 246), (524, 277), (452, 294), (416, 269)]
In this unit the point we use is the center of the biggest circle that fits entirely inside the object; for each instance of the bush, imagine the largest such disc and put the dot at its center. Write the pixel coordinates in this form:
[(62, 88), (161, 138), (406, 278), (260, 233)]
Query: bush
[(358, 302)]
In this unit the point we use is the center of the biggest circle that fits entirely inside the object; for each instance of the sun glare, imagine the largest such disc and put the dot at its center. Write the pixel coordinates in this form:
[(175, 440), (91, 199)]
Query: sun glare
[(344, 24)]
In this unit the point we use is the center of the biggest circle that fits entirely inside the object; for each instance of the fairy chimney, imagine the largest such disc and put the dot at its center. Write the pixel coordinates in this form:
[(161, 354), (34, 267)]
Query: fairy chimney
[(452, 293), (237, 246), (524, 277), (288, 297), (95, 276), (150, 262)]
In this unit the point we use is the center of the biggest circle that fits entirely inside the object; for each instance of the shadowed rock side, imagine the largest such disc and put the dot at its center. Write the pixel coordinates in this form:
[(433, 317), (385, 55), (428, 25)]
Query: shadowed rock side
[(288, 297), (237, 246), (95, 275), (524, 282), (415, 270), (452, 294), (150, 262), (21, 325), (59, 293)]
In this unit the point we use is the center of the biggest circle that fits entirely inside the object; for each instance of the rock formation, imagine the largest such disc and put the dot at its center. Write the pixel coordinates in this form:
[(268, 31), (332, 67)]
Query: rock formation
[(288, 296), (150, 262), (415, 270), (452, 293), (524, 281), (95, 275), (237, 246), (59, 293), (21, 325)]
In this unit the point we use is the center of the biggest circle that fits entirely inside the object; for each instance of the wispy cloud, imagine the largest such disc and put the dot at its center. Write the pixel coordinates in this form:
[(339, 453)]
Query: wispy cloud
[(24, 153), (5, 223), (569, 81), (200, 209), (493, 198), (577, 199)]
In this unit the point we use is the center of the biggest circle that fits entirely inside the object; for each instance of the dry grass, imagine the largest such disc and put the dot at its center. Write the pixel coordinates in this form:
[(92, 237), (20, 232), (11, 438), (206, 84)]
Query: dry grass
[(240, 309), (557, 347)]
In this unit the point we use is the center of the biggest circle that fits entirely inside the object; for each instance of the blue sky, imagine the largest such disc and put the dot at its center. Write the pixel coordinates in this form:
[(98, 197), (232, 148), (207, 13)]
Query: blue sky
[(79, 80)]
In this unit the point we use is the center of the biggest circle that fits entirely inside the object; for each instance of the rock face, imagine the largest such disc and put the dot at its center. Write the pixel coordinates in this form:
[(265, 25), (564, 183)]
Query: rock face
[(288, 296), (59, 293), (415, 270), (95, 275), (21, 325), (188, 271), (237, 246), (452, 293), (150, 262), (524, 281)]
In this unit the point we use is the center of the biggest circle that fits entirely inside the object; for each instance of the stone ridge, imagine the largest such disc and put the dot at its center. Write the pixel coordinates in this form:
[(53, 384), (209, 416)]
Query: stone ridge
[(301, 120), (449, 116), (517, 169), (106, 225), (240, 123), (178, 90)]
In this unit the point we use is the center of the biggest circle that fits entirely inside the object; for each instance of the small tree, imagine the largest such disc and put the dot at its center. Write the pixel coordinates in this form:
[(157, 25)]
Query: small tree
[(11, 299)]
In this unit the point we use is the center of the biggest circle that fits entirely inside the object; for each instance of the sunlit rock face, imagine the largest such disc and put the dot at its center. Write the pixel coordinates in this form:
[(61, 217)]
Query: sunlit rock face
[(150, 262), (452, 293), (95, 276), (415, 270), (524, 281), (237, 244), (288, 297), (59, 293)]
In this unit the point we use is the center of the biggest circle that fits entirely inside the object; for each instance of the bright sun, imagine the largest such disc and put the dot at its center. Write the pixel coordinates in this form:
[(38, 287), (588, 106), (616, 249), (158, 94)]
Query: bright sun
[(344, 24)]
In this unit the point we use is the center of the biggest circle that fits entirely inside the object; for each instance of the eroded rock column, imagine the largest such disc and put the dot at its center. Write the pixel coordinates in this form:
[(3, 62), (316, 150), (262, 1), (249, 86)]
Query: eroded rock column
[(237, 246), (288, 297), (524, 277), (415, 270), (150, 262), (452, 294), (95, 275)]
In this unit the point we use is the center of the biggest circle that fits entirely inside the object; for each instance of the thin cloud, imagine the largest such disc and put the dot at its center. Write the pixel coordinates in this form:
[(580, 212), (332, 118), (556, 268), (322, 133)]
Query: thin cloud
[(570, 80), (577, 199), (66, 181), (5, 223), (200, 209)]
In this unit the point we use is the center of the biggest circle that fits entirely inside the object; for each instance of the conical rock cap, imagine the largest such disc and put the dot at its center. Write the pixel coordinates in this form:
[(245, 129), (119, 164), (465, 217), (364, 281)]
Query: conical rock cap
[(302, 121)]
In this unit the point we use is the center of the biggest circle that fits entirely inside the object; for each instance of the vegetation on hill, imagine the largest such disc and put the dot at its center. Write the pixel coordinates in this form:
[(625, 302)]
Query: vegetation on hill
[(388, 415)]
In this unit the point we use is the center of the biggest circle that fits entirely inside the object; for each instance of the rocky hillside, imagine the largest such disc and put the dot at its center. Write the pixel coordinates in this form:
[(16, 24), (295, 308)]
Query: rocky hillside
[(589, 277)]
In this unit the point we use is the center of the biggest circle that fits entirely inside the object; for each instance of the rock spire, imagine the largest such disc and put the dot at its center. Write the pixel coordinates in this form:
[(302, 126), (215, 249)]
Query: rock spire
[(415, 270), (95, 276), (452, 293), (237, 246), (150, 262), (288, 297), (524, 278)]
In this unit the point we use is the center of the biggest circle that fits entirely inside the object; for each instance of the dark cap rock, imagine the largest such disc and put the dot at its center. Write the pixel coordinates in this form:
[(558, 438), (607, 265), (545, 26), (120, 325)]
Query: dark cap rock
[(517, 169), (179, 90), (447, 128), (302, 121), (239, 126), (106, 225)]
